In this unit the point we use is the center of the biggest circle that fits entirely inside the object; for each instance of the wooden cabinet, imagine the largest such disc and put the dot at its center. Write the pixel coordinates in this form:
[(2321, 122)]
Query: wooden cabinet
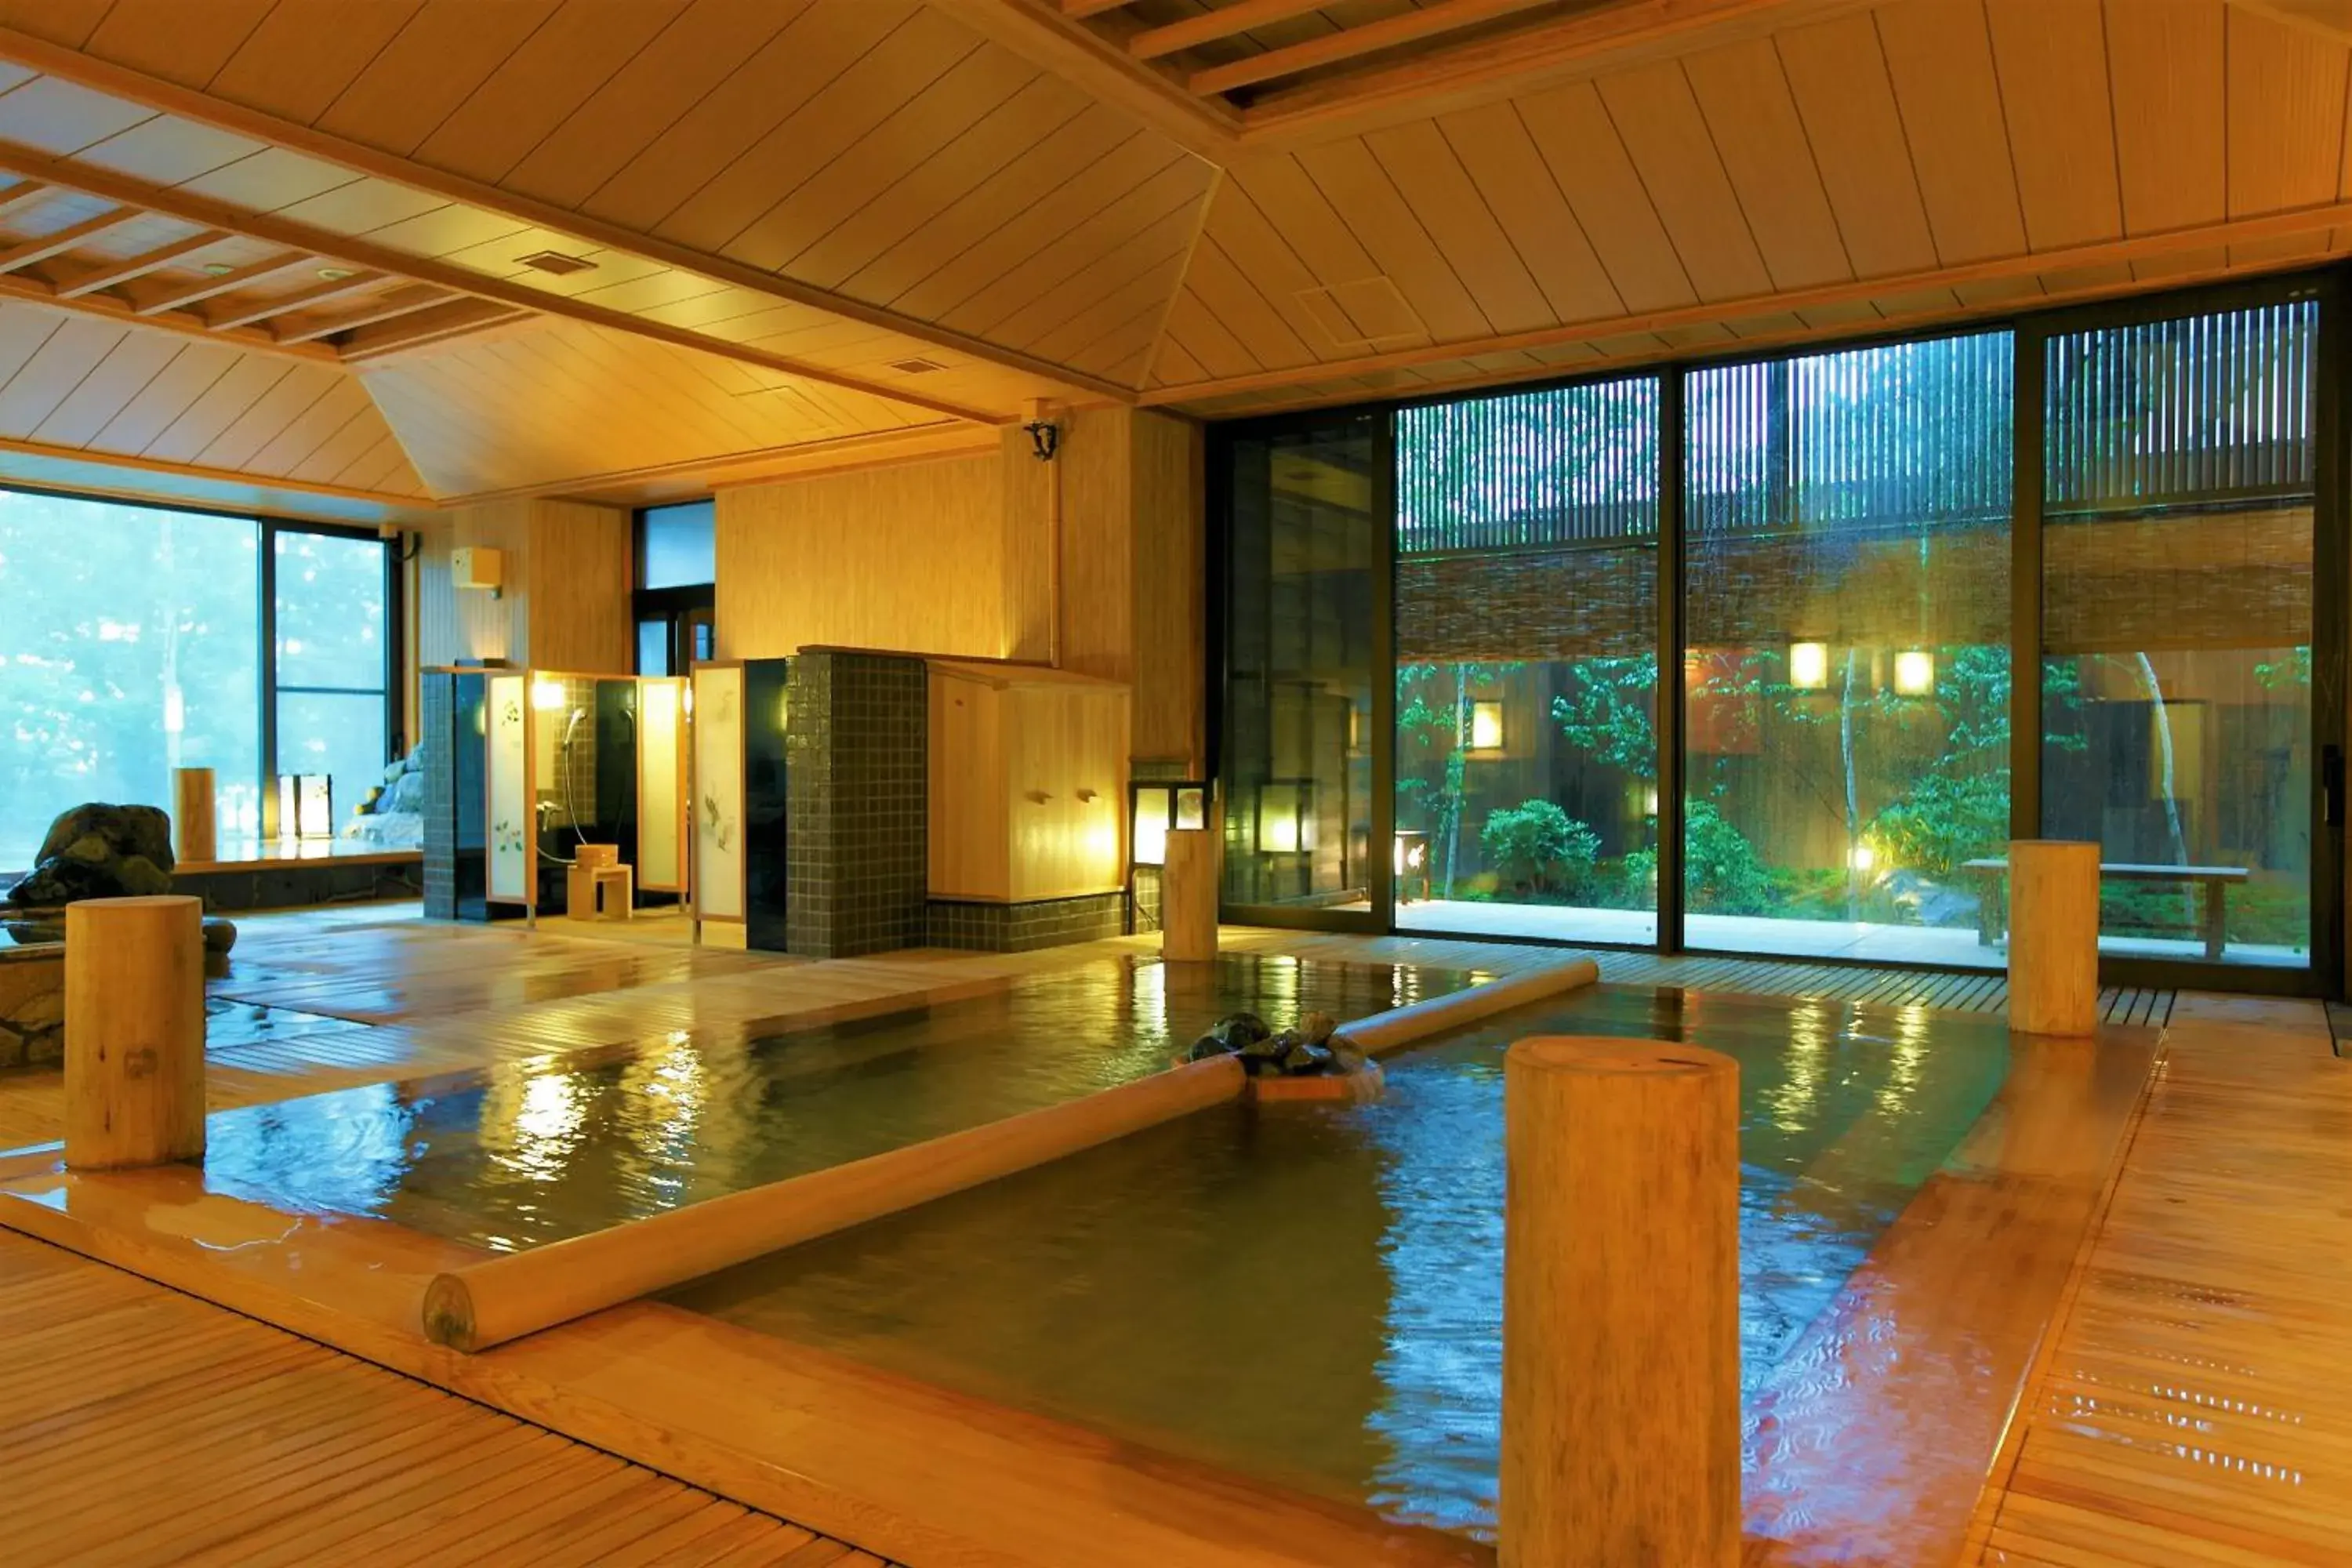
[(1028, 784)]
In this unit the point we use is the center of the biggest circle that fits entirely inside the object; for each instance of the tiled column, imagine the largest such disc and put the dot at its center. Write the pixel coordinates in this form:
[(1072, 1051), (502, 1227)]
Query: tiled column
[(857, 792)]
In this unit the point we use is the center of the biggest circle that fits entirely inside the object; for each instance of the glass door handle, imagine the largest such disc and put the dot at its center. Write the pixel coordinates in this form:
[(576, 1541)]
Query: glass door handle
[(2331, 785)]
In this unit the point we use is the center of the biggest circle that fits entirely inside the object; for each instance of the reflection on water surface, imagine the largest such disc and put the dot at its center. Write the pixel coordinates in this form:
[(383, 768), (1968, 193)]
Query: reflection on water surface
[(535, 1151), (1313, 1294)]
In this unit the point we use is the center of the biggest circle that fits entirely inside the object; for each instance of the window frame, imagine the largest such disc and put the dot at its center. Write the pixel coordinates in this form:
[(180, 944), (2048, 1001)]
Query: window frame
[(2030, 330)]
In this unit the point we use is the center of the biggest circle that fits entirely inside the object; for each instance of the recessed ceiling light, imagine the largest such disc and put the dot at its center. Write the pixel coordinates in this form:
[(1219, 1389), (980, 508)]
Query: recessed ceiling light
[(217, 268), (556, 262), (334, 274)]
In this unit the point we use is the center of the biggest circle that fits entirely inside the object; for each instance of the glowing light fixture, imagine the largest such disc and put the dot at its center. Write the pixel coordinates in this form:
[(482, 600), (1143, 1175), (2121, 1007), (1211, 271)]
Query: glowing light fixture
[(1154, 808), (1282, 817), (306, 805), (1410, 861), (1915, 672), (1485, 726), (1861, 858), (1808, 665), (547, 694)]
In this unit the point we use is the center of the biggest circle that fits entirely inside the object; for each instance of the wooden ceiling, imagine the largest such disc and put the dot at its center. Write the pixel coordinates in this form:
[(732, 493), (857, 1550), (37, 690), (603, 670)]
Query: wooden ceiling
[(450, 249)]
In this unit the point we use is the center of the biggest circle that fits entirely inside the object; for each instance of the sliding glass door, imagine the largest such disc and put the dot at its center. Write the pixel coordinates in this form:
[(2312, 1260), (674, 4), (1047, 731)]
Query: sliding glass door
[(1305, 571), (1846, 678), (1776, 655), (2179, 728), (1527, 668)]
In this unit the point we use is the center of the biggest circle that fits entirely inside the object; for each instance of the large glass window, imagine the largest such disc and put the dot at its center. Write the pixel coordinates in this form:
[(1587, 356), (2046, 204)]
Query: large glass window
[(1847, 680), (330, 614), (129, 645), (2176, 627), (1526, 625), (677, 576), (1307, 538)]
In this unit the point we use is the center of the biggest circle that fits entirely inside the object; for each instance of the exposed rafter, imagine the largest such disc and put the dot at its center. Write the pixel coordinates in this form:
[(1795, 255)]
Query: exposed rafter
[(1210, 25), (1365, 37), (322, 293), (390, 307), (66, 238), (114, 274), (302, 244), (137, 87), (180, 295)]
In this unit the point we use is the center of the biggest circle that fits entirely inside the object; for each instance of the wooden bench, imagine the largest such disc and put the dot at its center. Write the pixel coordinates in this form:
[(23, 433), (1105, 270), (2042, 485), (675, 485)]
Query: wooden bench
[(2214, 880)]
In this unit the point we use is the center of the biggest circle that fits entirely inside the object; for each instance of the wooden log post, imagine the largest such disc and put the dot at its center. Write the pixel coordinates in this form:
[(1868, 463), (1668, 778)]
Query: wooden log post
[(134, 1032), (1620, 1306), (195, 826), (2054, 937), (1187, 894)]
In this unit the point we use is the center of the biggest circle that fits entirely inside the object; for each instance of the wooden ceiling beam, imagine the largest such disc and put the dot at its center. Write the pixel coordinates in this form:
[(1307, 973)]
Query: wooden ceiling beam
[(181, 295), (1462, 75), (66, 238), (300, 244), (391, 307), (1348, 43), (24, 193), (2102, 254), (1079, 10), (325, 292), (170, 98), (437, 323), (1210, 25), (108, 275)]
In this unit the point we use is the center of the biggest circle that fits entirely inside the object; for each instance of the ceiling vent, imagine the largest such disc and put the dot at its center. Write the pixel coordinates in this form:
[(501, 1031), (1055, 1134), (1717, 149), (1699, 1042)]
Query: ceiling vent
[(1367, 314), (556, 263), (916, 366)]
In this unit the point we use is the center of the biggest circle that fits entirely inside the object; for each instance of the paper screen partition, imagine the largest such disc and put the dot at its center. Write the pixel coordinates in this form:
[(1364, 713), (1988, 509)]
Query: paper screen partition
[(718, 730), (508, 765), (661, 784)]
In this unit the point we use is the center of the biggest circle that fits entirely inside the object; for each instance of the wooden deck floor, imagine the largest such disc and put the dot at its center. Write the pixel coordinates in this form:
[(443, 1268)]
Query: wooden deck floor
[(2194, 1408), (144, 1427)]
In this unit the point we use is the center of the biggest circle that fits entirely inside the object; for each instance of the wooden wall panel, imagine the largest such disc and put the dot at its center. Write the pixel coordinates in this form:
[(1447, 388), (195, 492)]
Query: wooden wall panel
[(454, 627), (585, 566), (910, 557), (567, 569), (1097, 471), (1171, 590)]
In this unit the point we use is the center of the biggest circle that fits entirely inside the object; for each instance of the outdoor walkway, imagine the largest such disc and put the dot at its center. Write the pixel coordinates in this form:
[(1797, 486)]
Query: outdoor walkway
[(2195, 1408), (144, 1427)]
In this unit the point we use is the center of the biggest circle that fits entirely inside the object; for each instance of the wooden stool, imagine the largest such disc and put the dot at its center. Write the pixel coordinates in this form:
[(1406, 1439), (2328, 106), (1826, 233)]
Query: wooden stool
[(580, 878), (616, 892), (134, 1032), (1620, 1306)]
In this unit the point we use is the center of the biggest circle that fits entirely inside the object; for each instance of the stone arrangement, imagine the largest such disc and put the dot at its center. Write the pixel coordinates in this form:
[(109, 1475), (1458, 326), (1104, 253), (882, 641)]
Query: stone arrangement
[(1312, 1049), (98, 851)]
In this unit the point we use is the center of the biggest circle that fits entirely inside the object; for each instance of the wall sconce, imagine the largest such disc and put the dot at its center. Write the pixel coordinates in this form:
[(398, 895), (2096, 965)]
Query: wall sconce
[(1410, 861), (1915, 672), (547, 694), (1485, 726), (1808, 665), (1283, 813), (1154, 808), (306, 805)]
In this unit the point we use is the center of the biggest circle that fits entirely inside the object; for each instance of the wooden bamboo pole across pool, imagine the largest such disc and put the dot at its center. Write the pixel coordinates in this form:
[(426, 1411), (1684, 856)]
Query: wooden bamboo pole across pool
[(1401, 1026), (505, 1298)]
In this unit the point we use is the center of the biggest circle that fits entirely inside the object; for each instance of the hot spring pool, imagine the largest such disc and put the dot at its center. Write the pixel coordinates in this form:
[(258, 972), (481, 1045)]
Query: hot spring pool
[(1313, 1294), (519, 1154)]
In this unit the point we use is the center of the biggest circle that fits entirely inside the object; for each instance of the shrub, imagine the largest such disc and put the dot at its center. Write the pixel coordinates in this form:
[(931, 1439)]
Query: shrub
[(1537, 846)]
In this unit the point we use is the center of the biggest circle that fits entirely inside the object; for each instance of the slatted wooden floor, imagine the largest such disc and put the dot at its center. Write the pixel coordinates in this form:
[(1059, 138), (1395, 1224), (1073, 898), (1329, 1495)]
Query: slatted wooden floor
[(142, 1426), (2195, 1407), (1850, 982)]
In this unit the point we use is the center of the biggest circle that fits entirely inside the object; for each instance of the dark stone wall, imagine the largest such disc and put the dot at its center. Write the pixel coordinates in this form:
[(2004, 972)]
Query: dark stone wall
[(857, 845)]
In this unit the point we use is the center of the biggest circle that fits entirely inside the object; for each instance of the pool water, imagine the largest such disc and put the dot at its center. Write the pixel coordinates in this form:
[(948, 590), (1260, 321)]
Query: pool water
[(519, 1154), (1313, 1294)]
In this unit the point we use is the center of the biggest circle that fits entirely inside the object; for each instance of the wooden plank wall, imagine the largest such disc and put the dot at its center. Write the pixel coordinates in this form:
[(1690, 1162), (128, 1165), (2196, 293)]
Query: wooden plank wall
[(910, 556), (572, 613)]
